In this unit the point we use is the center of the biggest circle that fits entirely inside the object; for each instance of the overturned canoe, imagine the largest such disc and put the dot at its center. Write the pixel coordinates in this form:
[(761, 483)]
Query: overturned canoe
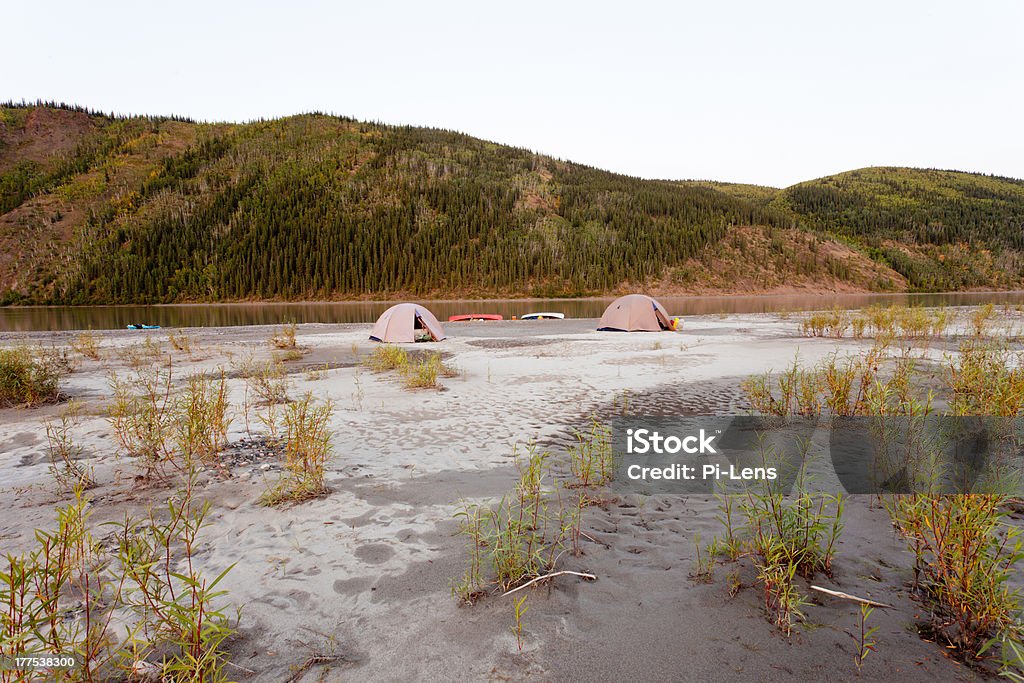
[(467, 317)]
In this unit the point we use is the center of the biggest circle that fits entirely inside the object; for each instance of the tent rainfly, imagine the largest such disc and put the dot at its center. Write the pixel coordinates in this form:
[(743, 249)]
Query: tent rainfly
[(635, 313), (402, 322)]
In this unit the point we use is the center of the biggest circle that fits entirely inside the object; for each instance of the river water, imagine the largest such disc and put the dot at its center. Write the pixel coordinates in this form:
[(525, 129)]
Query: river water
[(41, 318)]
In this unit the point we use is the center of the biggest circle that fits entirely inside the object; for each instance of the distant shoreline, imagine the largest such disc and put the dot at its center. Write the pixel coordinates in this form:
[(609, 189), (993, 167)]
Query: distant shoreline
[(527, 299)]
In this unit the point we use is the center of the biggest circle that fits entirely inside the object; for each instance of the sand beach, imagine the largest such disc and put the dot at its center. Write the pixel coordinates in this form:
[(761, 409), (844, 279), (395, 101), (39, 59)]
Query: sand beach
[(357, 584)]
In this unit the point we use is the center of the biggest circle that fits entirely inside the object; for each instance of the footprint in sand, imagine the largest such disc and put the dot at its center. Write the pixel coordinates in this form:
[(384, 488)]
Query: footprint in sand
[(375, 553), (20, 440), (31, 459), (295, 600), (352, 586)]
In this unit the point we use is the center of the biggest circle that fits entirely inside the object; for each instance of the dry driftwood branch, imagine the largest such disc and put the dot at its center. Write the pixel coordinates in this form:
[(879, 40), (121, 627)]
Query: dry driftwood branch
[(311, 662), (240, 668), (588, 577), (587, 536), (847, 596)]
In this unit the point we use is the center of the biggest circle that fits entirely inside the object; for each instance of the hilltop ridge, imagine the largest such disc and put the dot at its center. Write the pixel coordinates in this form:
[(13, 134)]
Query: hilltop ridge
[(97, 208)]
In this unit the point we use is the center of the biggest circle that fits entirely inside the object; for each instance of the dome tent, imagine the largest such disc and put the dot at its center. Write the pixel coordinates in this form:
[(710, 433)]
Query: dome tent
[(400, 323), (635, 313)]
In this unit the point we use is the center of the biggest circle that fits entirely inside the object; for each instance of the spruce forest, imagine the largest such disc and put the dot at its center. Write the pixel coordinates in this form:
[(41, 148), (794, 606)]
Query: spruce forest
[(98, 209)]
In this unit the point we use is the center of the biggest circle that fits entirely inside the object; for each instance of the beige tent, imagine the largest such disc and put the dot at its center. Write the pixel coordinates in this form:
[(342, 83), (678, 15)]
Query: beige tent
[(401, 322), (635, 313)]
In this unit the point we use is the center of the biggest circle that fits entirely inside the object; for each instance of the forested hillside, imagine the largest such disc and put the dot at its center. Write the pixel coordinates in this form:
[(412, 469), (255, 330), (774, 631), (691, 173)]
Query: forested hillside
[(103, 209), (966, 230)]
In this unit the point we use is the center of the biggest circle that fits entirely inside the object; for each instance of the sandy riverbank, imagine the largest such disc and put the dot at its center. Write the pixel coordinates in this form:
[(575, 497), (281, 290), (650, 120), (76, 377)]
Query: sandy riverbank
[(365, 572)]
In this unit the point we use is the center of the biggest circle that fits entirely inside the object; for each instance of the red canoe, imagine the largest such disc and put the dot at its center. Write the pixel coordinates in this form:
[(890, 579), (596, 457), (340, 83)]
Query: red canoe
[(473, 316)]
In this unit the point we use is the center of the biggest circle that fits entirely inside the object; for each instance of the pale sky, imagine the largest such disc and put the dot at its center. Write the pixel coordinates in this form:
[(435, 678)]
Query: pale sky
[(760, 92)]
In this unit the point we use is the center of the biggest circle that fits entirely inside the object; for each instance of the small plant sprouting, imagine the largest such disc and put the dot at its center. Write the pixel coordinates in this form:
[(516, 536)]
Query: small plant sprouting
[(307, 443), (165, 429), (267, 381), (357, 392), (520, 608), (865, 637), (65, 455), (177, 607), (284, 338), (980, 319), (786, 535), (521, 537), (420, 372), (142, 416), (288, 355), (624, 403), (87, 344), (966, 553), (387, 357), (67, 593), (733, 583), (30, 377), (472, 524), (704, 563), (317, 373), (591, 458), (782, 600), (202, 419), (1011, 653), (423, 374), (181, 342), (731, 545)]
